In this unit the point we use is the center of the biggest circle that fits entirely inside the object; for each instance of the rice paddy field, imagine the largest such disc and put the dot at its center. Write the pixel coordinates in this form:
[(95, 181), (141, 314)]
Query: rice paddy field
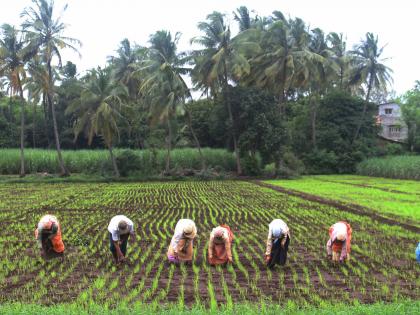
[(382, 266), (385, 196)]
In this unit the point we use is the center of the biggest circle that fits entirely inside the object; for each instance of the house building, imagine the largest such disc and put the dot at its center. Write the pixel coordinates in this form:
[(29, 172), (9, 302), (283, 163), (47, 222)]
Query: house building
[(390, 119)]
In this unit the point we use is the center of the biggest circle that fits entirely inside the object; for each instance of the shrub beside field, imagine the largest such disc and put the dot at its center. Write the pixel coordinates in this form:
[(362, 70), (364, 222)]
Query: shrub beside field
[(403, 166), (145, 162)]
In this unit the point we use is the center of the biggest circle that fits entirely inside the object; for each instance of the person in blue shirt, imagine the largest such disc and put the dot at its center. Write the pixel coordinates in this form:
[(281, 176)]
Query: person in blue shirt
[(418, 253)]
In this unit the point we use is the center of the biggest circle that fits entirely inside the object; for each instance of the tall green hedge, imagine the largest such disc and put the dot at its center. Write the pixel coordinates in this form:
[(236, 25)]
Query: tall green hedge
[(98, 161), (402, 166)]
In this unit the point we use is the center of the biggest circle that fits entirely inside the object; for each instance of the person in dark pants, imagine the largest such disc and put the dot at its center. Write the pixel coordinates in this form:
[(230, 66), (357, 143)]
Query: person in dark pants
[(279, 252), (277, 243), (120, 228), (122, 244)]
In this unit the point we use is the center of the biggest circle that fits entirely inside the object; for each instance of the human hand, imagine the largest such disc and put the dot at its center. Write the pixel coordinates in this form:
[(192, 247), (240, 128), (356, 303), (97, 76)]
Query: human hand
[(267, 258), (121, 258), (230, 260)]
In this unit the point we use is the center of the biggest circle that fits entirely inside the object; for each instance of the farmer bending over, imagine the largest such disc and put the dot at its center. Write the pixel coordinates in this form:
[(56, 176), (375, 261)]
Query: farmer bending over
[(338, 246), (181, 246), (48, 235), (277, 243), (221, 239), (120, 228)]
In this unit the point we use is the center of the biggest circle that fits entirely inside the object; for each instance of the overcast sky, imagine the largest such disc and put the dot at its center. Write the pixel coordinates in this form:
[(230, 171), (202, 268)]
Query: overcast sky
[(102, 24)]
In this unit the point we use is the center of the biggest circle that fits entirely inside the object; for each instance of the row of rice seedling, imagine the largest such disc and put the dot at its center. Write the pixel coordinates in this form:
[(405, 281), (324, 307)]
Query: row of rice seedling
[(88, 276), (400, 198)]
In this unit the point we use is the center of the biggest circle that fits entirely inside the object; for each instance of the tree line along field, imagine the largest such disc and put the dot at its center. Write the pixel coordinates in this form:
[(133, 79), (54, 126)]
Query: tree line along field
[(382, 267)]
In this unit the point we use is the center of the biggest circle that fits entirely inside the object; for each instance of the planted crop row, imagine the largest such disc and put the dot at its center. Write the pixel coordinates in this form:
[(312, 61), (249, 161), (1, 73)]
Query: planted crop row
[(87, 274)]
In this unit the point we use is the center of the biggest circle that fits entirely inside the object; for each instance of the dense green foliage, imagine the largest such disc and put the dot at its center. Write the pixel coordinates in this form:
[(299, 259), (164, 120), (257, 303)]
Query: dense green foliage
[(338, 115), (411, 113), (403, 166), (384, 196), (403, 308), (276, 92)]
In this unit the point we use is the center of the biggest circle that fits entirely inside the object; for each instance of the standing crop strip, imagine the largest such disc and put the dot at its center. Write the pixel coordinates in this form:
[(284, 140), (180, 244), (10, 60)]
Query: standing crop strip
[(379, 270)]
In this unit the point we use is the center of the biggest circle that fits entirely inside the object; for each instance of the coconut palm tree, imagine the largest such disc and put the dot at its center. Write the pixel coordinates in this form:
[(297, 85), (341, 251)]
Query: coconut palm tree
[(370, 70), (222, 59), (45, 30), (15, 53), (322, 71), (164, 86), (124, 65), (98, 109), (244, 19), (282, 63), (337, 46)]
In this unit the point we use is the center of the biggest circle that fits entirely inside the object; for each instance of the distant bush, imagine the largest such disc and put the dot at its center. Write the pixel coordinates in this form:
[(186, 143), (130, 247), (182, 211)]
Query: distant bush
[(147, 162), (128, 162), (394, 149), (321, 162), (251, 165), (402, 166)]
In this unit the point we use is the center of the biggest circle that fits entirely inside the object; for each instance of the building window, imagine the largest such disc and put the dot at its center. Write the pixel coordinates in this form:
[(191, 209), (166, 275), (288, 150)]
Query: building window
[(394, 130), (388, 111)]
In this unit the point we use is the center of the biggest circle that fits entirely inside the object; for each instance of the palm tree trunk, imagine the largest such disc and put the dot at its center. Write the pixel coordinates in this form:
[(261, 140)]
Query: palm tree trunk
[(168, 146), (281, 99), (33, 126), (359, 125), (114, 162), (197, 143), (64, 171), (11, 117), (46, 118), (313, 121), (282, 96), (22, 128), (229, 108)]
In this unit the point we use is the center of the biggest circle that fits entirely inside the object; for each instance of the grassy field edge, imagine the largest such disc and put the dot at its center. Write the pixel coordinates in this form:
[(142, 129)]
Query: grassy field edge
[(402, 307)]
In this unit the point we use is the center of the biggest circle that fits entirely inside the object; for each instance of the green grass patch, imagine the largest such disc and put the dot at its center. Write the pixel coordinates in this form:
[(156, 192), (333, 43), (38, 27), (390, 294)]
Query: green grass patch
[(405, 307), (385, 196)]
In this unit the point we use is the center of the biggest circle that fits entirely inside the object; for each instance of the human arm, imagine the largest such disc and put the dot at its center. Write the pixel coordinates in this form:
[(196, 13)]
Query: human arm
[(269, 243), (211, 244), (343, 251), (38, 236), (228, 248), (116, 241), (120, 255), (133, 236), (329, 247)]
